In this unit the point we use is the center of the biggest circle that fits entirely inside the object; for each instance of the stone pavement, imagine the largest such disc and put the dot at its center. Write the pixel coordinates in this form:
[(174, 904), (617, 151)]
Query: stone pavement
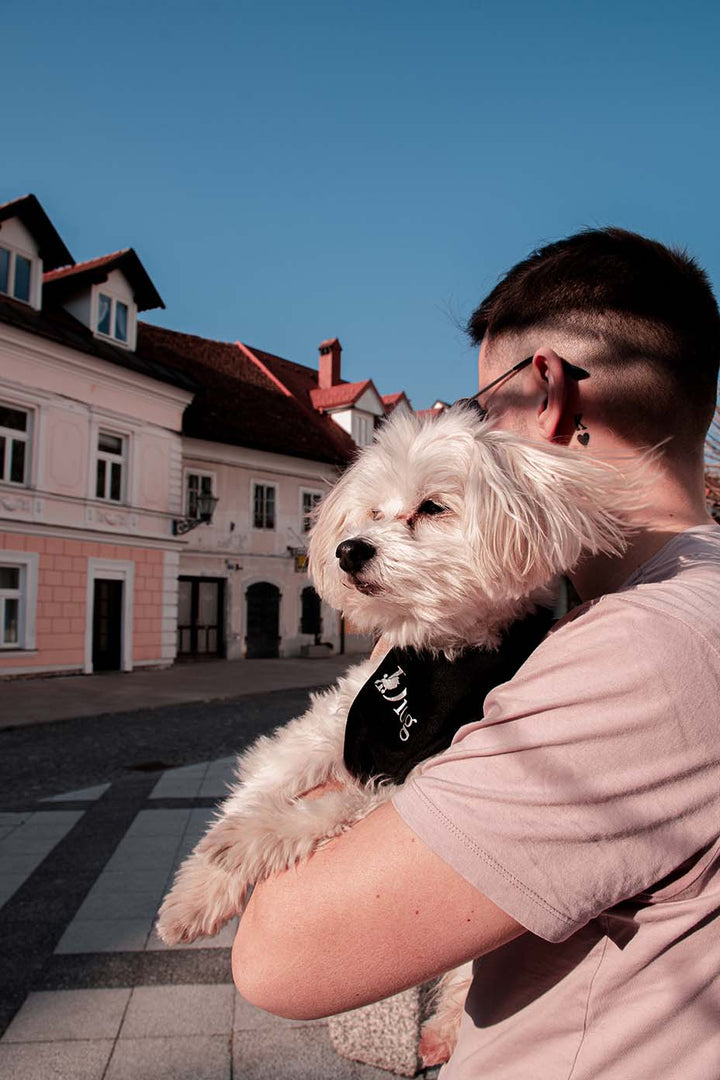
[(34, 701), (87, 990)]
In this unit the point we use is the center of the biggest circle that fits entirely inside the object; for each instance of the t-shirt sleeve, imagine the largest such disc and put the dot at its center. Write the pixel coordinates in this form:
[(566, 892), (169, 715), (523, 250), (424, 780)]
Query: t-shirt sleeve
[(593, 774)]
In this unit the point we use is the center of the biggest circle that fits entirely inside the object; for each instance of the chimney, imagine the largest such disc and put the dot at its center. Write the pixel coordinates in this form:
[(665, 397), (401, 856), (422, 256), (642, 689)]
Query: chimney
[(329, 367)]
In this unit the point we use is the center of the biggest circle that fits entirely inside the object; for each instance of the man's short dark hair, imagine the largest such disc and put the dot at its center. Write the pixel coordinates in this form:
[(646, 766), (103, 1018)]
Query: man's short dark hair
[(644, 305)]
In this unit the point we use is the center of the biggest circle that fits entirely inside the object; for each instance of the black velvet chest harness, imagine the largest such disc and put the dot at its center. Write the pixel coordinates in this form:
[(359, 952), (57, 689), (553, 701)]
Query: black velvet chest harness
[(413, 703)]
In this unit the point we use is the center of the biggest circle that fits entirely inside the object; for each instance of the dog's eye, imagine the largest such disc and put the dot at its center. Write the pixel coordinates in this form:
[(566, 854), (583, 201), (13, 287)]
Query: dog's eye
[(375, 515), (429, 508)]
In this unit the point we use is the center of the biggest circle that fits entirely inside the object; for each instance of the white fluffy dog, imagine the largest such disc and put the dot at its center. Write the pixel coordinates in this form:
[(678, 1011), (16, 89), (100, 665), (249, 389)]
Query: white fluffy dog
[(437, 538)]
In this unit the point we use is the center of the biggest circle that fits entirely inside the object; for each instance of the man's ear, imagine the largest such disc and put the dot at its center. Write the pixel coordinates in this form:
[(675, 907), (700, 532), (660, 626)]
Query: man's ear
[(557, 397)]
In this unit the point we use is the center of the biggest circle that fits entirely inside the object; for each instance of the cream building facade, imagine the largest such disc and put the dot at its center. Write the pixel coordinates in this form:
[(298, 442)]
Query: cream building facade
[(244, 590)]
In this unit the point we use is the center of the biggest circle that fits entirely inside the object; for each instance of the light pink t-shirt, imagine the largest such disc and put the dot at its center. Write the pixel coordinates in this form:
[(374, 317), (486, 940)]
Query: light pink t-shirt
[(586, 804)]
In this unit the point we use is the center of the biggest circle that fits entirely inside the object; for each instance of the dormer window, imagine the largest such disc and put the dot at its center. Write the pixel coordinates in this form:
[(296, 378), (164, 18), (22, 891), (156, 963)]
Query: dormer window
[(15, 274), (105, 294), (112, 318)]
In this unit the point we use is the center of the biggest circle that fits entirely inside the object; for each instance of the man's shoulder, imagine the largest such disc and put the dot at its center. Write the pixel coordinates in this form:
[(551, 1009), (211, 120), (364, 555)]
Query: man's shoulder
[(679, 586), (667, 608)]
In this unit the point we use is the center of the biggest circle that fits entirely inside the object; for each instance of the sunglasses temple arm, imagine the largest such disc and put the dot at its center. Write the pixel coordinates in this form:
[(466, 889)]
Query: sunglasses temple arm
[(506, 374)]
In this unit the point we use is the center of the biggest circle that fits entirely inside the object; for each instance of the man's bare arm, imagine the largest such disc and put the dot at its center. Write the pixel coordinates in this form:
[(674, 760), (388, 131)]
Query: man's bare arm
[(372, 913)]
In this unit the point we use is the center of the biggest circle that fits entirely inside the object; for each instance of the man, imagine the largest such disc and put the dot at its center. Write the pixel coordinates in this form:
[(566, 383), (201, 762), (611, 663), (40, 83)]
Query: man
[(570, 837)]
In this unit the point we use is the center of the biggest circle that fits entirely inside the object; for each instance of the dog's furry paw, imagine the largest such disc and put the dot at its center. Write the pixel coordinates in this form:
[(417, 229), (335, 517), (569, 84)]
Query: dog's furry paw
[(225, 846), (200, 902), (436, 1045), (178, 924)]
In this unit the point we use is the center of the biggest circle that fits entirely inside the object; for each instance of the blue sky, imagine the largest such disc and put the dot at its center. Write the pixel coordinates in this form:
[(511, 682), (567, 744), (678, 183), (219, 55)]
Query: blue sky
[(290, 171)]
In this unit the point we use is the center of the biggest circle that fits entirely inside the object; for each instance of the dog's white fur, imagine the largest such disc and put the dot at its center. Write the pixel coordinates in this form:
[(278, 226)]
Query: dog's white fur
[(515, 515)]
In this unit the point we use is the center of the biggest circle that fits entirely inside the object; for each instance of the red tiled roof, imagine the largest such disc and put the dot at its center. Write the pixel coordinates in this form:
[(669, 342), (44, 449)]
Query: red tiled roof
[(94, 271), (299, 379), (302, 382), (391, 401), (239, 404), (223, 357), (334, 397), (82, 267), (433, 411)]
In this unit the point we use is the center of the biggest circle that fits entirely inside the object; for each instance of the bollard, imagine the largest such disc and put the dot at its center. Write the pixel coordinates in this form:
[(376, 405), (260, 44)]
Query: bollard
[(385, 1034)]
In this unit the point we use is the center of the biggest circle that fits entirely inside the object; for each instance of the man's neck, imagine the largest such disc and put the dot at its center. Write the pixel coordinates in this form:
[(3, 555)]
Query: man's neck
[(674, 501)]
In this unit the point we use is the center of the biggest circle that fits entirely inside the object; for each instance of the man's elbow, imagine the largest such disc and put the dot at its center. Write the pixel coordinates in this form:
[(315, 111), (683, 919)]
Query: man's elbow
[(269, 984)]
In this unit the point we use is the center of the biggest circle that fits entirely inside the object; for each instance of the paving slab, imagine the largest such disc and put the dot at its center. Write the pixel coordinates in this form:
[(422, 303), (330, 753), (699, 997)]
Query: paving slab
[(159, 823), (216, 787), (14, 866), (178, 1010), (68, 1014), (247, 1017), (123, 905), (12, 820), (124, 882), (10, 883), (143, 857), (88, 794), (183, 783), (105, 935), (56, 1060), (48, 824), (294, 1053), (173, 1058)]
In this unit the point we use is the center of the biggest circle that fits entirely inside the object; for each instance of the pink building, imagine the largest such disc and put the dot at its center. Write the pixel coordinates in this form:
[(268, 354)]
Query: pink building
[(90, 460), (116, 437)]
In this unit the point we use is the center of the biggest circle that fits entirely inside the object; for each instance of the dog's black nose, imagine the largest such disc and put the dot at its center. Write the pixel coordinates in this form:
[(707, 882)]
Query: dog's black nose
[(353, 554)]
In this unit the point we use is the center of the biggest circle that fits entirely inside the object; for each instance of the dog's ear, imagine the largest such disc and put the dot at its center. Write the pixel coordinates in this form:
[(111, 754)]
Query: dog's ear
[(538, 507)]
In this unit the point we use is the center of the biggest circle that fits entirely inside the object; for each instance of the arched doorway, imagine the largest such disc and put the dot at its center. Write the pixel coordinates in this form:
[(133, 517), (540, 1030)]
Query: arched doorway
[(310, 616), (263, 620)]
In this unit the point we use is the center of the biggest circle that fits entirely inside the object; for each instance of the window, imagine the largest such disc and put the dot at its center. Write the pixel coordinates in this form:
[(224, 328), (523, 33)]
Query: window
[(10, 606), (264, 506), (310, 499), (110, 467), (15, 274), (196, 484), (121, 320), (18, 598), (364, 430), (112, 318), (14, 436)]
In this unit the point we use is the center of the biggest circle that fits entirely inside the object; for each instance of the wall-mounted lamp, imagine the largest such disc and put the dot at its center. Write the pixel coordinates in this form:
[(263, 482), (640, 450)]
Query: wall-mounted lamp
[(205, 509)]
